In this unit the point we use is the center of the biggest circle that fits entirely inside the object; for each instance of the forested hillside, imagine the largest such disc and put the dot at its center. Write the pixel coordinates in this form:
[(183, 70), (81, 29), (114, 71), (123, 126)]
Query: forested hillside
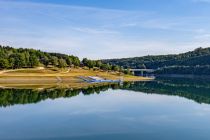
[(193, 62), (13, 58), (200, 56)]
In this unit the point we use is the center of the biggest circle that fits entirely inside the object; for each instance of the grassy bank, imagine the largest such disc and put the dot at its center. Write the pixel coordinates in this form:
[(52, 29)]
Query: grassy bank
[(50, 76)]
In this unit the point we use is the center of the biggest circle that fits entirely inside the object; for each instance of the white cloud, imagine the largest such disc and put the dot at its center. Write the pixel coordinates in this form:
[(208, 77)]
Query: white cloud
[(96, 32)]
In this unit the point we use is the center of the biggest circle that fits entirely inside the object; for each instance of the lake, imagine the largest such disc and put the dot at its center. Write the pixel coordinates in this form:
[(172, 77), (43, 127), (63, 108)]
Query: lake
[(167, 108)]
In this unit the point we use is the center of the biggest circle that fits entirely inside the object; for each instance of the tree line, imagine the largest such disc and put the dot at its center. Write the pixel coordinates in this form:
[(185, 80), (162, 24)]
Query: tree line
[(200, 56), (192, 62), (12, 58), (15, 58), (104, 66), (192, 70)]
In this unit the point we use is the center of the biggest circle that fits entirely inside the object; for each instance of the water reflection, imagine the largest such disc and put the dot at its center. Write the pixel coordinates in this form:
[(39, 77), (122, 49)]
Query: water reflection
[(9, 97), (194, 89), (122, 114)]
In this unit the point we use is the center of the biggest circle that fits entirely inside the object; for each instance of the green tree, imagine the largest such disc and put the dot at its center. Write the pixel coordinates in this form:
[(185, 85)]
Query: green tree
[(33, 61), (69, 61), (127, 71), (76, 61), (45, 60), (105, 67), (115, 68), (98, 63), (4, 63), (62, 63), (19, 60), (11, 62), (54, 60), (27, 56), (90, 64), (85, 61)]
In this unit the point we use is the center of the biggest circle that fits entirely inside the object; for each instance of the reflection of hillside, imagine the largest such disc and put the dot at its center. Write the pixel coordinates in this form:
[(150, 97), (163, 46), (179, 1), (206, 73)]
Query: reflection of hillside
[(9, 97), (194, 89), (188, 82)]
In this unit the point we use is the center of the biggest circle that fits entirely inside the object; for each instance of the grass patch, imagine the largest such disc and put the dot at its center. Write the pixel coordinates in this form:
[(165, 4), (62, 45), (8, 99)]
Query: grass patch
[(54, 76)]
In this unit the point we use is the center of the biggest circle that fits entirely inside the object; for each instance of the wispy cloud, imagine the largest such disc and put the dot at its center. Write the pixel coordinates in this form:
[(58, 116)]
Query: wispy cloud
[(98, 32)]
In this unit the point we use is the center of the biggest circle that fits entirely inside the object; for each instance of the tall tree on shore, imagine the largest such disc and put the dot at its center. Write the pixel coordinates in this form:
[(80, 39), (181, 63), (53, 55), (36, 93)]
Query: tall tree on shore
[(62, 63), (4, 63), (33, 61), (54, 61)]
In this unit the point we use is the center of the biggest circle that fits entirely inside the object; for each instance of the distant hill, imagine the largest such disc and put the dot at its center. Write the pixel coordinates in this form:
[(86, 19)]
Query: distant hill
[(192, 62)]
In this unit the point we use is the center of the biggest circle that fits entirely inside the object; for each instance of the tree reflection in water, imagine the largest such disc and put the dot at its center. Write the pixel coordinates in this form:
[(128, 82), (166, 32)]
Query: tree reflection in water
[(194, 89)]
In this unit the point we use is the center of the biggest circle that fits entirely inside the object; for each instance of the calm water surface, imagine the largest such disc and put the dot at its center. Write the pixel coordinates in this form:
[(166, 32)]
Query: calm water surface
[(175, 109)]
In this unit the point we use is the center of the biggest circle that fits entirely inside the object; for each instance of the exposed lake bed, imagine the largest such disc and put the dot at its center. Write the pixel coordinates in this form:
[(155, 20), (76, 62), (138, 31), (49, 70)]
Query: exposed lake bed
[(68, 77)]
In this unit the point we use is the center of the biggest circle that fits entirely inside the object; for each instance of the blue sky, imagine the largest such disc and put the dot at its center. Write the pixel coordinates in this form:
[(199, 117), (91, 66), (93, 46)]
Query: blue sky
[(100, 29)]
